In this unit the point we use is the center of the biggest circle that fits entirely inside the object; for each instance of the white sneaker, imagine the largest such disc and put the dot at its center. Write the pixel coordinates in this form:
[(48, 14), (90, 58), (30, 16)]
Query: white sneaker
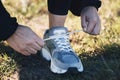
[(59, 51)]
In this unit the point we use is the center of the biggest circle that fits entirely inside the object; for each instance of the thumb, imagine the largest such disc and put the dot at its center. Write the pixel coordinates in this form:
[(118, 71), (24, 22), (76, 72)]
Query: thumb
[(84, 23)]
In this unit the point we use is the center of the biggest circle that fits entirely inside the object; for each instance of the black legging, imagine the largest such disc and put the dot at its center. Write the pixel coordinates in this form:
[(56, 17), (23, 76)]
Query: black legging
[(61, 7)]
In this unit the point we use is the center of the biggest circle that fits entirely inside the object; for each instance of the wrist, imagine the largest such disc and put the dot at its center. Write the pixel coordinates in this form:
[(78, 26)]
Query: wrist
[(89, 7)]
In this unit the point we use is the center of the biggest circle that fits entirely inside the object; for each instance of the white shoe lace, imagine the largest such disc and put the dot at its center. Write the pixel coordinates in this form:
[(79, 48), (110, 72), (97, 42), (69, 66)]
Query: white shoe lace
[(56, 36), (62, 43), (62, 40)]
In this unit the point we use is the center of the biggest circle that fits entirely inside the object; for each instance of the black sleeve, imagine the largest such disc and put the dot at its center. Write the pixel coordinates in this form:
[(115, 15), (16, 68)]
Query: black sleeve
[(85, 3), (61, 7), (78, 5), (8, 25)]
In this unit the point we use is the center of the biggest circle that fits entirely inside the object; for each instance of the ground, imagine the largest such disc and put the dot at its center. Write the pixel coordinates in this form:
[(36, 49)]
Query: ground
[(100, 54), (103, 66)]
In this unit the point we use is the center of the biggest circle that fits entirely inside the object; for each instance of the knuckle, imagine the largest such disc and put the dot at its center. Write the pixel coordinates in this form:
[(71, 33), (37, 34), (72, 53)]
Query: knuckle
[(22, 49), (27, 54), (40, 48), (42, 45), (94, 20), (34, 52), (97, 33), (83, 25), (89, 31), (30, 43)]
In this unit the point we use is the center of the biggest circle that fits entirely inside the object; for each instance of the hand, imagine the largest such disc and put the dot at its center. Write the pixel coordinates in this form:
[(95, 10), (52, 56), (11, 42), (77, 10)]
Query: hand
[(90, 21), (25, 41)]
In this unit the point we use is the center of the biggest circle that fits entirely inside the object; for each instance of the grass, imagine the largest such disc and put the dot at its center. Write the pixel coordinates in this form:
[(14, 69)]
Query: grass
[(100, 54)]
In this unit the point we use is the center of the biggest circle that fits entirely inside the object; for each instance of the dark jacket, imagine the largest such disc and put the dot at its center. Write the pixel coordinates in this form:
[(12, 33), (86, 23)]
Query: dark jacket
[(8, 25)]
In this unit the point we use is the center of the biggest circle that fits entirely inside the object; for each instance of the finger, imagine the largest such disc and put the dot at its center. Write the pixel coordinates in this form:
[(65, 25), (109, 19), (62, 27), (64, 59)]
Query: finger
[(40, 42), (83, 23), (97, 29), (91, 25), (25, 52), (36, 46), (31, 51)]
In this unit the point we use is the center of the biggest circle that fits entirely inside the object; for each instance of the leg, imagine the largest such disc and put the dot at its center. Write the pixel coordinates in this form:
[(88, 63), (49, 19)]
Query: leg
[(56, 20), (58, 12)]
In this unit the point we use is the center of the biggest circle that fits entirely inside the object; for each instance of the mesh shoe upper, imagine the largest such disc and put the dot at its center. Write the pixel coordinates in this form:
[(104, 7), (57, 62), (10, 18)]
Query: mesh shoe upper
[(59, 47)]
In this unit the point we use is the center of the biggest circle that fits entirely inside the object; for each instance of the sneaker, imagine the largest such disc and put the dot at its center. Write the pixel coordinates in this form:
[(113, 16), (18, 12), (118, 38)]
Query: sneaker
[(59, 51)]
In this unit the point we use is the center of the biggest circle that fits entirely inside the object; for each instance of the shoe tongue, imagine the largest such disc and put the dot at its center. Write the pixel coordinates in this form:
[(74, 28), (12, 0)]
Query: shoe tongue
[(58, 30)]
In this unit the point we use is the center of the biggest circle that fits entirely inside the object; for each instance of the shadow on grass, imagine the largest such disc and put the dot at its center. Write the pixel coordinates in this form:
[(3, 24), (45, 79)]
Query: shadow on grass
[(102, 65)]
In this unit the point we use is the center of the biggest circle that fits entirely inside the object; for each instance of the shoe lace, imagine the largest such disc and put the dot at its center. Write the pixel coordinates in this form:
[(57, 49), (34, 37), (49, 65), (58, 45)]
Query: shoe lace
[(62, 42), (70, 33)]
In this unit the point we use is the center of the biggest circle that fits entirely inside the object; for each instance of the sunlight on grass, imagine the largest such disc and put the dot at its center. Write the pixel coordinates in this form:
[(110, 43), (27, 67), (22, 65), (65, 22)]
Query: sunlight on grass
[(35, 14), (7, 66)]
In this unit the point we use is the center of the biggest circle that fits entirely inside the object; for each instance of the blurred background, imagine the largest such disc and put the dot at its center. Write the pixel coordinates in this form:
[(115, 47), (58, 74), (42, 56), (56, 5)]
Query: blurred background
[(102, 51)]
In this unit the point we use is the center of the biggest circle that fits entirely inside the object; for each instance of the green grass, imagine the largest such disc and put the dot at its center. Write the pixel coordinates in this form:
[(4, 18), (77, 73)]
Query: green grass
[(100, 54)]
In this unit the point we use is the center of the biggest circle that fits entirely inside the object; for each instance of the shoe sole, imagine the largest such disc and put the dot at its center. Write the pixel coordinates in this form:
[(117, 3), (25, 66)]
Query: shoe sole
[(54, 68)]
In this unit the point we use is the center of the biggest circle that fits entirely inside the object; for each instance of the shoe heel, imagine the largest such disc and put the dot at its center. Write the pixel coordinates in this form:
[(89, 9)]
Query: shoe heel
[(46, 53)]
